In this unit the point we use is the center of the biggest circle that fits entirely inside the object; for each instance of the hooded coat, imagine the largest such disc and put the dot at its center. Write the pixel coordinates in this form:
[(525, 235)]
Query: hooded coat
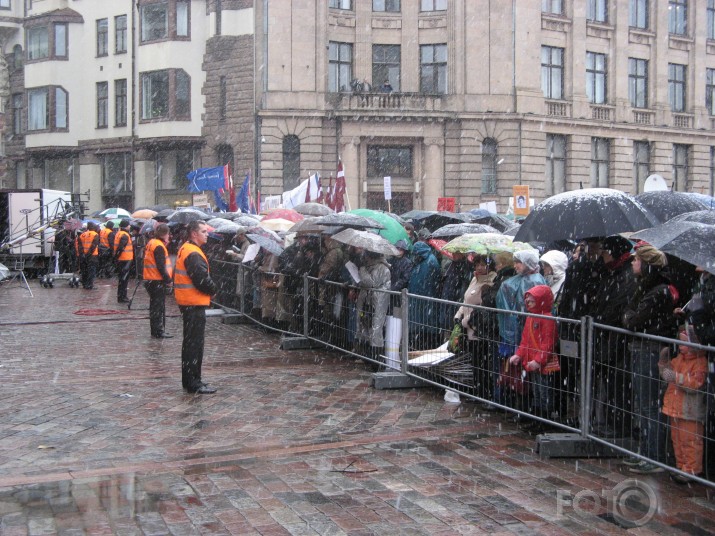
[(650, 309), (558, 262), (684, 398), (372, 305), (511, 298), (424, 281), (539, 336)]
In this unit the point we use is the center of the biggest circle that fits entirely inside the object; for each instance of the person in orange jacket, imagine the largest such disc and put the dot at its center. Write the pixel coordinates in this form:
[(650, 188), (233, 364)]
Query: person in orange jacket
[(157, 275), (684, 404), (87, 246), (123, 257)]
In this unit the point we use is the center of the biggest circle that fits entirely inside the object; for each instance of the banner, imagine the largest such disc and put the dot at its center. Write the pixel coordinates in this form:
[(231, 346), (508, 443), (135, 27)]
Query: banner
[(521, 199)]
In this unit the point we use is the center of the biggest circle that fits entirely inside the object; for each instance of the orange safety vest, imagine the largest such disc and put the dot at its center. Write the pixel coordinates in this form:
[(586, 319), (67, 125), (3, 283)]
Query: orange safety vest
[(85, 242), (184, 290), (151, 271), (104, 237), (128, 253)]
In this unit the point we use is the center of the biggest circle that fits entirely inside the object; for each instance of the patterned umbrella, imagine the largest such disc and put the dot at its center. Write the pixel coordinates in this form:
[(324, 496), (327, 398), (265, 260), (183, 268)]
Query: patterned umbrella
[(115, 212), (484, 244), (458, 229)]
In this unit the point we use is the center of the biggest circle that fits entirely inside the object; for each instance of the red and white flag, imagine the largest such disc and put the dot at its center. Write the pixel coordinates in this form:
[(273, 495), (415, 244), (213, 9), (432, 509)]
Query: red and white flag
[(338, 201)]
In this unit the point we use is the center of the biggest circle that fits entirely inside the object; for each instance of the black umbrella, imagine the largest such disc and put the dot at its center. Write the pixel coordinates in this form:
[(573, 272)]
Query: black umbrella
[(164, 214), (499, 222), (266, 243), (458, 229), (582, 214), (664, 205), (345, 219), (435, 220), (186, 215), (687, 240), (699, 216)]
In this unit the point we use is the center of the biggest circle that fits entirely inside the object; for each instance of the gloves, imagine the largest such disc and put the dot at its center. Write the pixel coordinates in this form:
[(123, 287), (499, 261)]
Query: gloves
[(515, 359), (668, 374), (531, 366)]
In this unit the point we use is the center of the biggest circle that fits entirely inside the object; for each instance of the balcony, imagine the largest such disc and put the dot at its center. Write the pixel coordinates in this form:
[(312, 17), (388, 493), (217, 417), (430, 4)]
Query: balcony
[(558, 109), (390, 102), (643, 117), (682, 120), (602, 113)]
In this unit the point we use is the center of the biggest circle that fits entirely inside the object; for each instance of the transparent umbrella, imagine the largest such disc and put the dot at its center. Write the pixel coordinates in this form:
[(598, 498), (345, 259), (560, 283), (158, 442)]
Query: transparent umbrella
[(366, 240)]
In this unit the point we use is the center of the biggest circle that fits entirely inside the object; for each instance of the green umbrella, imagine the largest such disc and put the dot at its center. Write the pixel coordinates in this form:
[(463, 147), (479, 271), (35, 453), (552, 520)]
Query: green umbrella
[(484, 244), (393, 231)]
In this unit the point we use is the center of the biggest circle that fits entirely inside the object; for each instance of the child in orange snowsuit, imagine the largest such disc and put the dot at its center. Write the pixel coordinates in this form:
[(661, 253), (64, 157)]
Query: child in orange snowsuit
[(684, 403)]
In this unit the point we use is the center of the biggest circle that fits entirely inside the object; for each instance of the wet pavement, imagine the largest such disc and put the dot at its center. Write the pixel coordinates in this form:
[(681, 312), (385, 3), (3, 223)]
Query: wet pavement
[(97, 437)]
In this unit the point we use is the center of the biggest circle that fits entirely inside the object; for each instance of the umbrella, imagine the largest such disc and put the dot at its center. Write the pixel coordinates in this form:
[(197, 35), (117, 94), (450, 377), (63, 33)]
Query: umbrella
[(144, 213), (438, 244), (458, 229), (392, 232), (148, 226), (137, 223), (666, 204), (435, 220), (266, 243), (313, 209), (227, 227), (215, 222), (687, 240), (582, 214), (186, 215), (245, 219), (499, 222), (114, 212), (484, 244), (283, 213), (707, 200), (366, 240), (164, 214), (347, 219), (115, 221), (277, 224), (416, 214), (700, 216), (267, 233)]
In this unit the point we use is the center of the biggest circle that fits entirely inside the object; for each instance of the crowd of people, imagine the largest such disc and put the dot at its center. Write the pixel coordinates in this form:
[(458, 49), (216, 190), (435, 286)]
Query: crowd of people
[(477, 304)]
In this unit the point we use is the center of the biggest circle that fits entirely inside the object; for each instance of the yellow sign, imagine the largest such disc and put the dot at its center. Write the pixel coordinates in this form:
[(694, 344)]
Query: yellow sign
[(521, 199)]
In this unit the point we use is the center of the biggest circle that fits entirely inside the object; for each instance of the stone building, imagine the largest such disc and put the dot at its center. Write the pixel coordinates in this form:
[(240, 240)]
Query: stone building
[(450, 98)]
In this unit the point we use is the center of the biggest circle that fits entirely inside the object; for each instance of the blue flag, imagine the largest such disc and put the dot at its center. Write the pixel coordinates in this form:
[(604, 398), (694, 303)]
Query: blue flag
[(243, 199), (206, 179)]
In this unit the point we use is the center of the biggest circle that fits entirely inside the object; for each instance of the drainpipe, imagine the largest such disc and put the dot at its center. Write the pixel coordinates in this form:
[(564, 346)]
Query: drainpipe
[(513, 86), (134, 97)]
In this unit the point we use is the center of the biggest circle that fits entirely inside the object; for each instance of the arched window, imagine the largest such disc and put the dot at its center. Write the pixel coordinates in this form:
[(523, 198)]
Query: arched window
[(489, 166), (291, 162)]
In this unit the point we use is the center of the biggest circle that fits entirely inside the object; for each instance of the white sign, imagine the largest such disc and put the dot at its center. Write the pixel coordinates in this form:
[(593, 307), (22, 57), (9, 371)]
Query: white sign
[(201, 200), (388, 188), (251, 252)]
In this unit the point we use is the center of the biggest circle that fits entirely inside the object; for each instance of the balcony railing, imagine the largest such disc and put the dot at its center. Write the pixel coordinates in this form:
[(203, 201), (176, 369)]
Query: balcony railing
[(558, 109), (602, 113), (375, 101), (682, 120), (643, 117)]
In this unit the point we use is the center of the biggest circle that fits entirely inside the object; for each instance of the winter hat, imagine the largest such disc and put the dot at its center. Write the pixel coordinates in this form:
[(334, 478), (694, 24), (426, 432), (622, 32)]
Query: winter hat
[(402, 244), (616, 245), (651, 256), (124, 224), (529, 258)]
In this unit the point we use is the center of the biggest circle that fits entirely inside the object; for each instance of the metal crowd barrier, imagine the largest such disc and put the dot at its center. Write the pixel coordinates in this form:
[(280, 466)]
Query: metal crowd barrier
[(604, 389)]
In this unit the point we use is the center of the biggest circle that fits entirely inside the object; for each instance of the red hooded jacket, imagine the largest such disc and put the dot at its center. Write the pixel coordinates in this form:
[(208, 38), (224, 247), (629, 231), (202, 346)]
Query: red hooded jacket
[(539, 336)]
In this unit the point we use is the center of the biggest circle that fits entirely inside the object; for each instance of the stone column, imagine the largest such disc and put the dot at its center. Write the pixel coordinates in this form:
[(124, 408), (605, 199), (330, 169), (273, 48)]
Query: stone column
[(432, 185), (350, 157)]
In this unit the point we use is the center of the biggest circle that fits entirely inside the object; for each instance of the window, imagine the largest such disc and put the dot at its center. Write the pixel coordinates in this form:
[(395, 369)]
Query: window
[(60, 40), (219, 17), (489, 166), (340, 4), (386, 65), (676, 87), (597, 11), (59, 173), (38, 46), (17, 110), (712, 173), (291, 162), (392, 161), (638, 82), (222, 98), (600, 156), (340, 66), (710, 91), (5, 4), (102, 104), (386, 5), (102, 37), (555, 164), (638, 14), (680, 167), (120, 103), (47, 108), (678, 17), (711, 19), (433, 69), (552, 72), (555, 7), (596, 77), (172, 167), (166, 95), (641, 163), (116, 179), (17, 56), (164, 20), (433, 5), (120, 34)]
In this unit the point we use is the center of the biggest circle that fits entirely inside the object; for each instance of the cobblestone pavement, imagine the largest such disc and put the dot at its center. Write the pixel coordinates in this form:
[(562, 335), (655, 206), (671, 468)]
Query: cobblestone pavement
[(97, 437)]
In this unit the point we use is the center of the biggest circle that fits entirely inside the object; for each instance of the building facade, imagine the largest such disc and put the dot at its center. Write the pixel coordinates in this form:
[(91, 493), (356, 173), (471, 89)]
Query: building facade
[(450, 98)]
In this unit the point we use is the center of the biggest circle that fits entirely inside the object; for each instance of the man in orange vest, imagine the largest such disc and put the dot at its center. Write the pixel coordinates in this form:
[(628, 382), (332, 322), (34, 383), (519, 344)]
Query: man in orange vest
[(123, 257), (88, 255), (157, 279), (193, 288), (106, 241)]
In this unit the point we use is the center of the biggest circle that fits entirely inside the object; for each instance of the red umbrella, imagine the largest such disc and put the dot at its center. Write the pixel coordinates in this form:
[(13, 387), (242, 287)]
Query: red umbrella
[(438, 244), (283, 213)]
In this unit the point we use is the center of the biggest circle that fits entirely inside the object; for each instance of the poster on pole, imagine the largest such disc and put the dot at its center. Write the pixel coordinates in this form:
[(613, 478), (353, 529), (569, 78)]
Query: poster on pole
[(388, 188), (521, 199), (446, 204)]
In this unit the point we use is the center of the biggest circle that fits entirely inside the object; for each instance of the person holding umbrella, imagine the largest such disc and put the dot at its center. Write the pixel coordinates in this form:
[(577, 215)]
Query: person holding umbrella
[(193, 288), (157, 279)]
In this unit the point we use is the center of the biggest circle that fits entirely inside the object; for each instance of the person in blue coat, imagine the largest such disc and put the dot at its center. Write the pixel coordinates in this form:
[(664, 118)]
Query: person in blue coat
[(423, 314)]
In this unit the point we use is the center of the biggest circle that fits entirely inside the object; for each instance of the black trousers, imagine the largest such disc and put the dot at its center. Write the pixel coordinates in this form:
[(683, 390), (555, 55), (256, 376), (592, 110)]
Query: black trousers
[(192, 347), (123, 268), (157, 294), (88, 271)]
